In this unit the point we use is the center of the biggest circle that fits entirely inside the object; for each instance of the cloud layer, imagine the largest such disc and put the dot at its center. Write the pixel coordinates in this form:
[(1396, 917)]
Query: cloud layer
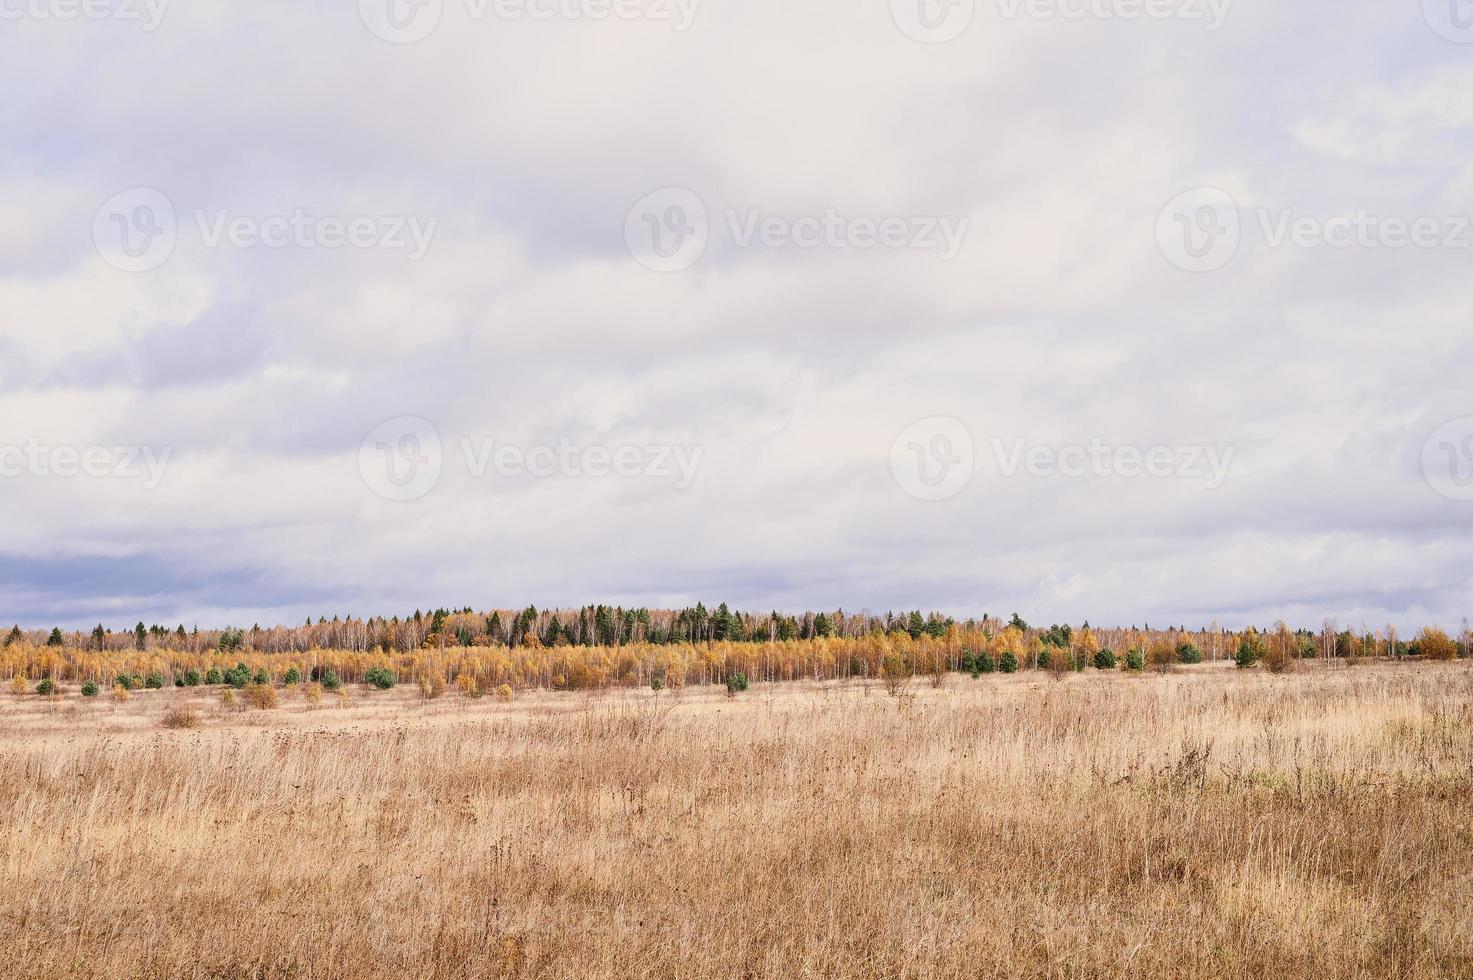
[(286, 147)]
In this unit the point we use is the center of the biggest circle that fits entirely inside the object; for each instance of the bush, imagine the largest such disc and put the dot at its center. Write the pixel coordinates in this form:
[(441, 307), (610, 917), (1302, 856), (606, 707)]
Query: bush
[(292, 676), (735, 684), (329, 680), (504, 693), (90, 689), (154, 681), (191, 678), (213, 676), (1161, 655), (18, 684), (46, 687), (123, 681), (431, 686), (985, 663), (181, 718), (312, 693), (1007, 663), (656, 684), (893, 669), (178, 682), (120, 693), (1188, 653), (1105, 659), (380, 677), (262, 677), (1135, 659), (1044, 659), (262, 696), (1250, 651)]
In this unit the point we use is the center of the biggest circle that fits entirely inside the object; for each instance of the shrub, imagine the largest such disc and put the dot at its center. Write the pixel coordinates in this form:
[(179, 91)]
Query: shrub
[(468, 685), (893, 669), (90, 689), (656, 684), (985, 662), (181, 718), (46, 687), (1044, 659), (262, 677), (1105, 659), (504, 693), (380, 677), (191, 678), (227, 697), (1434, 644), (431, 686), (1135, 659), (292, 676), (1188, 653), (261, 696), (1007, 663), (120, 693), (154, 681), (213, 676), (735, 684), (238, 677), (1059, 664), (329, 680), (1250, 650), (178, 682), (1161, 655), (123, 681), (18, 684), (312, 693)]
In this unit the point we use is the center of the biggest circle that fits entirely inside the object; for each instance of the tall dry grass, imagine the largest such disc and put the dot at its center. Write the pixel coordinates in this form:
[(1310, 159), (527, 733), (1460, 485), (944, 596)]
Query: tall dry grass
[(1205, 823)]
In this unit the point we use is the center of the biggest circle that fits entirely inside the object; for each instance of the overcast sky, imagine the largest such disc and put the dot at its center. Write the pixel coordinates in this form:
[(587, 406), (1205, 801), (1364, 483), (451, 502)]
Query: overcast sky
[(1120, 310)]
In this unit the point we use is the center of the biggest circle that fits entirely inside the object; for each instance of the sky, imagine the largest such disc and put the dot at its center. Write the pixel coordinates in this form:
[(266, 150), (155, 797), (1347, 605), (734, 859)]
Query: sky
[(1128, 311)]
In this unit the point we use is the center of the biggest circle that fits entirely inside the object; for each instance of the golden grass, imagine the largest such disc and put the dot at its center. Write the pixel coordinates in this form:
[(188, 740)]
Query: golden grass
[(1205, 823)]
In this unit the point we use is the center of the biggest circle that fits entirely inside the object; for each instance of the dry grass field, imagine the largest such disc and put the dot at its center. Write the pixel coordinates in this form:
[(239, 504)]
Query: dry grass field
[(1207, 823)]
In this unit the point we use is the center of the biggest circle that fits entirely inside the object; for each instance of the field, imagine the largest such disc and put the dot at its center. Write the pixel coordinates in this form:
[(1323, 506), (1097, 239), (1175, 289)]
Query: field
[(1209, 822)]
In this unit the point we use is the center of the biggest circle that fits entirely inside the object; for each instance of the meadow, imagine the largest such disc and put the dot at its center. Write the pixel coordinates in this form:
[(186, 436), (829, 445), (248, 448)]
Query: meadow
[(1203, 822)]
